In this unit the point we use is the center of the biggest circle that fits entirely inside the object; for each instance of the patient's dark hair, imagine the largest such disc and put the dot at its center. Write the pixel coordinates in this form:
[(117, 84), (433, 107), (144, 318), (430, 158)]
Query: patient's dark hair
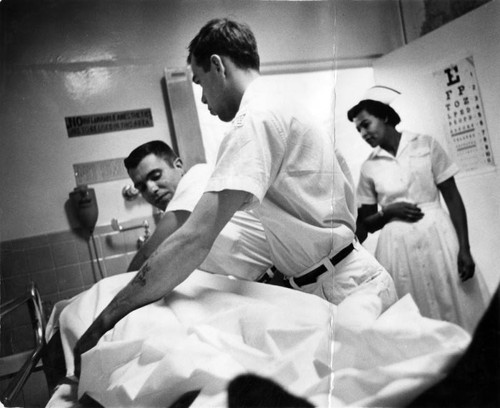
[(377, 109), (228, 38), (156, 147)]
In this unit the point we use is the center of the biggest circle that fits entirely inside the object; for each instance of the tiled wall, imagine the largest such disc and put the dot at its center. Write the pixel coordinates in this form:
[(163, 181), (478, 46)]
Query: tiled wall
[(62, 265)]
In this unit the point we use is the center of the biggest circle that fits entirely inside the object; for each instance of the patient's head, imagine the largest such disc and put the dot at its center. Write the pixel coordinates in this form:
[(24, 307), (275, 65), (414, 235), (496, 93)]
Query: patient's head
[(156, 171)]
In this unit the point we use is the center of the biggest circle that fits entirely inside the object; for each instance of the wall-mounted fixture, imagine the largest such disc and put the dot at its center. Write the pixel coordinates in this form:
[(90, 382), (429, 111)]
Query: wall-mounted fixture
[(130, 193), (118, 227), (85, 206)]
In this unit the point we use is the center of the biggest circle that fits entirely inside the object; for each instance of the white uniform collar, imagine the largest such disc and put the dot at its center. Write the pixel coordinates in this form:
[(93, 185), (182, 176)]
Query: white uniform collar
[(250, 93), (252, 89), (406, 138)]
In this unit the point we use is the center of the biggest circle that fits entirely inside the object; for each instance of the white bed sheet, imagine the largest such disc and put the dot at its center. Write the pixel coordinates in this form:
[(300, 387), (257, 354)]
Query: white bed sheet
[(213, 328)]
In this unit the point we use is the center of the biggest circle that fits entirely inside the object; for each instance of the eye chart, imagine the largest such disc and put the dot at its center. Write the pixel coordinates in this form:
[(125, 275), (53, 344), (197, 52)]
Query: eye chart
[(465, 122)]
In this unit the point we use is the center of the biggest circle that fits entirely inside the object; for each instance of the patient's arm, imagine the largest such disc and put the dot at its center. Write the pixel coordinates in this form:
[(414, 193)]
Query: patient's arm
[(174, 260), (169, 223)]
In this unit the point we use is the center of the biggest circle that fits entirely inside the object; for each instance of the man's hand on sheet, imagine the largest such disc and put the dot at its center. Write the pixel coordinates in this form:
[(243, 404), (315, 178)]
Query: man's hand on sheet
[(172, 262), (88, 340)]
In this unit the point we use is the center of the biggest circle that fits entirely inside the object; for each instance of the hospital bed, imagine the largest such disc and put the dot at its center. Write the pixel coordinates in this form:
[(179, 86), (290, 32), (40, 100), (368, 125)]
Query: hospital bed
[(212, 329)]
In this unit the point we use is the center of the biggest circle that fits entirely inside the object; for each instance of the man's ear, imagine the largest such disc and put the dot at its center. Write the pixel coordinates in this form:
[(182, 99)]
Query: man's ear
[(178, 163), (217, 63)]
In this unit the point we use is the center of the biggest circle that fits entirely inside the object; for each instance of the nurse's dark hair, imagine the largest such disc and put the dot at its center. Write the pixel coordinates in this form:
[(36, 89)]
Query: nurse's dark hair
[(377, 109), (225, 37), (156, 147)]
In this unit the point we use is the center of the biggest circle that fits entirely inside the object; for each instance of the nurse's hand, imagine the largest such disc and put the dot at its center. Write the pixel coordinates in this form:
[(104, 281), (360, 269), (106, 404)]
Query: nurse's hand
[(404, 211), (466, 265)]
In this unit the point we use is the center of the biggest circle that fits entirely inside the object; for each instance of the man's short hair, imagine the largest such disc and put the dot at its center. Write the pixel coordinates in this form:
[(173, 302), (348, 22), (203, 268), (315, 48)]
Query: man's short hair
[(228, 38), (376, 108), (156, 147)]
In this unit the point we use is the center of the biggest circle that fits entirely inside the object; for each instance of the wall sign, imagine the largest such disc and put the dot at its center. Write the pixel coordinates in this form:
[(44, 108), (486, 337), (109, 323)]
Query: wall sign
[(108, 122), (465, 122), (99, 171)]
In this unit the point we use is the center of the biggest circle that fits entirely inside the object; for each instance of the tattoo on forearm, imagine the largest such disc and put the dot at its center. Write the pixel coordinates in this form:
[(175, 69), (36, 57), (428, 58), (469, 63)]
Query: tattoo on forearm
[(140, 278)]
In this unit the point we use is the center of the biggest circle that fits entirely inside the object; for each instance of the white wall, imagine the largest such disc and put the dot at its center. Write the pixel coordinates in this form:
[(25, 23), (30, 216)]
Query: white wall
[(409, 69), (70, 57)]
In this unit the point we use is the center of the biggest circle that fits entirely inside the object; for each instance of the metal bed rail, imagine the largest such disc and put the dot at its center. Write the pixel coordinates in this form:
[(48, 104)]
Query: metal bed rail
[(32, 298)]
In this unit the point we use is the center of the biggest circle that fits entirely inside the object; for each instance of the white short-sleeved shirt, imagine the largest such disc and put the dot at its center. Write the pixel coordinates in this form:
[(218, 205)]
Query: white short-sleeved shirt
[(420, 164), (241, 248), (302, 192)]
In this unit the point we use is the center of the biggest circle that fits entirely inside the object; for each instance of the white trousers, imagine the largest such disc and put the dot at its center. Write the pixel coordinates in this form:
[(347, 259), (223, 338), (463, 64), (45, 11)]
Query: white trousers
[(358, 271)]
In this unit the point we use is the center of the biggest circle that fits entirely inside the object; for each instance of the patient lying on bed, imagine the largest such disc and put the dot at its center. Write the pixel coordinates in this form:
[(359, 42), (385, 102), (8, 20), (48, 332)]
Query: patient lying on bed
[(212, 329)]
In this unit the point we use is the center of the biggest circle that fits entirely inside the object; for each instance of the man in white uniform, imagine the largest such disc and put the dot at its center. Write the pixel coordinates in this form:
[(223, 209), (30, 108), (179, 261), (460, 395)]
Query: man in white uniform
[(274, 160), (240, 250)]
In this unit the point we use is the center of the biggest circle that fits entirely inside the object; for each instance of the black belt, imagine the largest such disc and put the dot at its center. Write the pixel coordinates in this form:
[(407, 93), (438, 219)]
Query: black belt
[(268, 275), (312, 276)]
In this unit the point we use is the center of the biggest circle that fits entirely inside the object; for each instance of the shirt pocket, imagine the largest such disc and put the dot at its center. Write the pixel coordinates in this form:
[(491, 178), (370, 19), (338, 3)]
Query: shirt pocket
[(422, 180), (420, 159)]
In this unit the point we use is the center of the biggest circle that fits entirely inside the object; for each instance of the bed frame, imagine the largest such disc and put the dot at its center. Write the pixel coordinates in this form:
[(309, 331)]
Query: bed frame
[(32, 298)]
